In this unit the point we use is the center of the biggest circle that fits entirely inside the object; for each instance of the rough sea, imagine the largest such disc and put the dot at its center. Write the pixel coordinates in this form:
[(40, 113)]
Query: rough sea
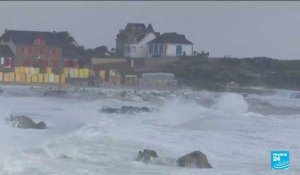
[(237, 132)]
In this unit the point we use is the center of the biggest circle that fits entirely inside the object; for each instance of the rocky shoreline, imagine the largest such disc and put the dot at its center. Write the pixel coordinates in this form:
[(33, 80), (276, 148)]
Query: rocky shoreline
[(216, 73)]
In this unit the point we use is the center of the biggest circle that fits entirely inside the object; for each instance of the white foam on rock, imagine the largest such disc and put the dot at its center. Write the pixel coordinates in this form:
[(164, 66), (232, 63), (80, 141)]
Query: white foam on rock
[(231, 103)]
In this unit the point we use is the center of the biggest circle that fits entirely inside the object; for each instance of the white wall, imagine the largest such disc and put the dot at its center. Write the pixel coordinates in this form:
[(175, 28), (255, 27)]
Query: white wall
[(171, 49), (141, 50)]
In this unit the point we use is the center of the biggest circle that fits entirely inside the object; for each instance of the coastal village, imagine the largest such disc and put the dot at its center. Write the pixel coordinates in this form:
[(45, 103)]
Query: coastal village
[(43, 57)]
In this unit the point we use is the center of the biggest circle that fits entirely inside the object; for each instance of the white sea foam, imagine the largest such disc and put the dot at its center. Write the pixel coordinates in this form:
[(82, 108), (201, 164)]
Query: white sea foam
[(82, 140), (231, 103)]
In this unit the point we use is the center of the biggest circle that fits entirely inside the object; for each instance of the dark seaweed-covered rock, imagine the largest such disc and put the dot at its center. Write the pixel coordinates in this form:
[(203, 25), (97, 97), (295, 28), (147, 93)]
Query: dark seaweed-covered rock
[(26, 123), (125, 109), (131, 109), (146, 155), (55, 93), (195, 159), (109, 110)]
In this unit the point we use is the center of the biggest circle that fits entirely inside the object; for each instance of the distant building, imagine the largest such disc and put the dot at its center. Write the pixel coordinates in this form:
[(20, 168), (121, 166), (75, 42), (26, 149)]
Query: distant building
[(33, 48), (7, 58), (132, 41), (169, 44)]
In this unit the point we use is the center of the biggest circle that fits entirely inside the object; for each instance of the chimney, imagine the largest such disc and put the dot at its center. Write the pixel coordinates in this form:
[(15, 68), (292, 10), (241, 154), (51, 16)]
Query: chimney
[(5, 30)]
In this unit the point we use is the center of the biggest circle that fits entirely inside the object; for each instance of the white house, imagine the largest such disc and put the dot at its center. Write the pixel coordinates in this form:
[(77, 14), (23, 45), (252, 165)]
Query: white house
[(132, 41), (169, 44), (139, 49)]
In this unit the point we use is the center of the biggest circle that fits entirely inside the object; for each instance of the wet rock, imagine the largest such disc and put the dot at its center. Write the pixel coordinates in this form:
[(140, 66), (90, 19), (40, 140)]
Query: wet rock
[(109, 110), (55, 93), (125, 109), (195, 159), (26, 123), (146, 155), (131, 109), (63, 156)]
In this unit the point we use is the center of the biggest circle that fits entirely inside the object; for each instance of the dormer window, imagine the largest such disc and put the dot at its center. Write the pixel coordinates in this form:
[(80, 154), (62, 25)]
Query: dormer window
[(39, 41), (25, 50)]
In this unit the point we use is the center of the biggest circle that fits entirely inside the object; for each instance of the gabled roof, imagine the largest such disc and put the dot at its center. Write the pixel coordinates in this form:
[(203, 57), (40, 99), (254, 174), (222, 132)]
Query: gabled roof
[(20, 37), (172, 38), (5, 51), (135, 27), (142, 36), (150, 28), (135, 32)]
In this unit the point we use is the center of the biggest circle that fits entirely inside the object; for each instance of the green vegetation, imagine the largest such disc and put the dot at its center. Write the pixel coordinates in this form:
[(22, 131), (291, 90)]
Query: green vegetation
[(216, 73)]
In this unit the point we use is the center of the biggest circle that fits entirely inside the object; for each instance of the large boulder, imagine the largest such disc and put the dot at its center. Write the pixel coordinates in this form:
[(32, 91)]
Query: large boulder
[(146, 155), (195, 159), (26, 123)]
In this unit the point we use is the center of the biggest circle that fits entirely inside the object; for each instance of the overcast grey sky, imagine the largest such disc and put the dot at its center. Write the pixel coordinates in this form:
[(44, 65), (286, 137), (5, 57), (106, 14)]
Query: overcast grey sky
[(241, 29)]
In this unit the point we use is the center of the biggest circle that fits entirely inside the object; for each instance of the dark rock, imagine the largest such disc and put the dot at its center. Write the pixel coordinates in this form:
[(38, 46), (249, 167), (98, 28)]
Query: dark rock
[(109, 110), (131, 109), (125, 109), (55, 93), (195, 159), (26, 123), (41, 125), (146, 155)]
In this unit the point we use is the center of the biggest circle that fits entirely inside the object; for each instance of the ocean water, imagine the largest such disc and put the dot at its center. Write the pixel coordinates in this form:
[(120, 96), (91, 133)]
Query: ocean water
[(236, 132)]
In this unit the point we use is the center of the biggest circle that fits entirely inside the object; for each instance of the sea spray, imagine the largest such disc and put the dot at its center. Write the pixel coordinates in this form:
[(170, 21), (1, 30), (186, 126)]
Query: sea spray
[(231, 103)]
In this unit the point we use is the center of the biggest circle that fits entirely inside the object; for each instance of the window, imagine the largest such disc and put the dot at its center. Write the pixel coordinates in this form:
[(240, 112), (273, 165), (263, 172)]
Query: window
[(2, 60), (155, 48), (127, 49), (178, 50), (39, 41), (132, 49), (25, 50), (151, 48), (161, 49), (7, 62)]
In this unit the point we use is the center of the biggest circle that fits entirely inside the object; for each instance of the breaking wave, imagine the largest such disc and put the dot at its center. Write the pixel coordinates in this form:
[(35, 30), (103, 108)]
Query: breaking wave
[(231, 103)]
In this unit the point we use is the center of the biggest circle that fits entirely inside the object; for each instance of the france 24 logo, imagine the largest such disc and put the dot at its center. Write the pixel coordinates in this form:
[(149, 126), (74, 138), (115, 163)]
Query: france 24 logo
[(280, 160)]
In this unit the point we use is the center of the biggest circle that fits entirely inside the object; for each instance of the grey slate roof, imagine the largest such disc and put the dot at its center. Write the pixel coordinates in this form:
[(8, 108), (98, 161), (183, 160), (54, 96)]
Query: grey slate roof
[(135, 32), (172, 38), (27, 37), (5, 51), (135, 27)]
